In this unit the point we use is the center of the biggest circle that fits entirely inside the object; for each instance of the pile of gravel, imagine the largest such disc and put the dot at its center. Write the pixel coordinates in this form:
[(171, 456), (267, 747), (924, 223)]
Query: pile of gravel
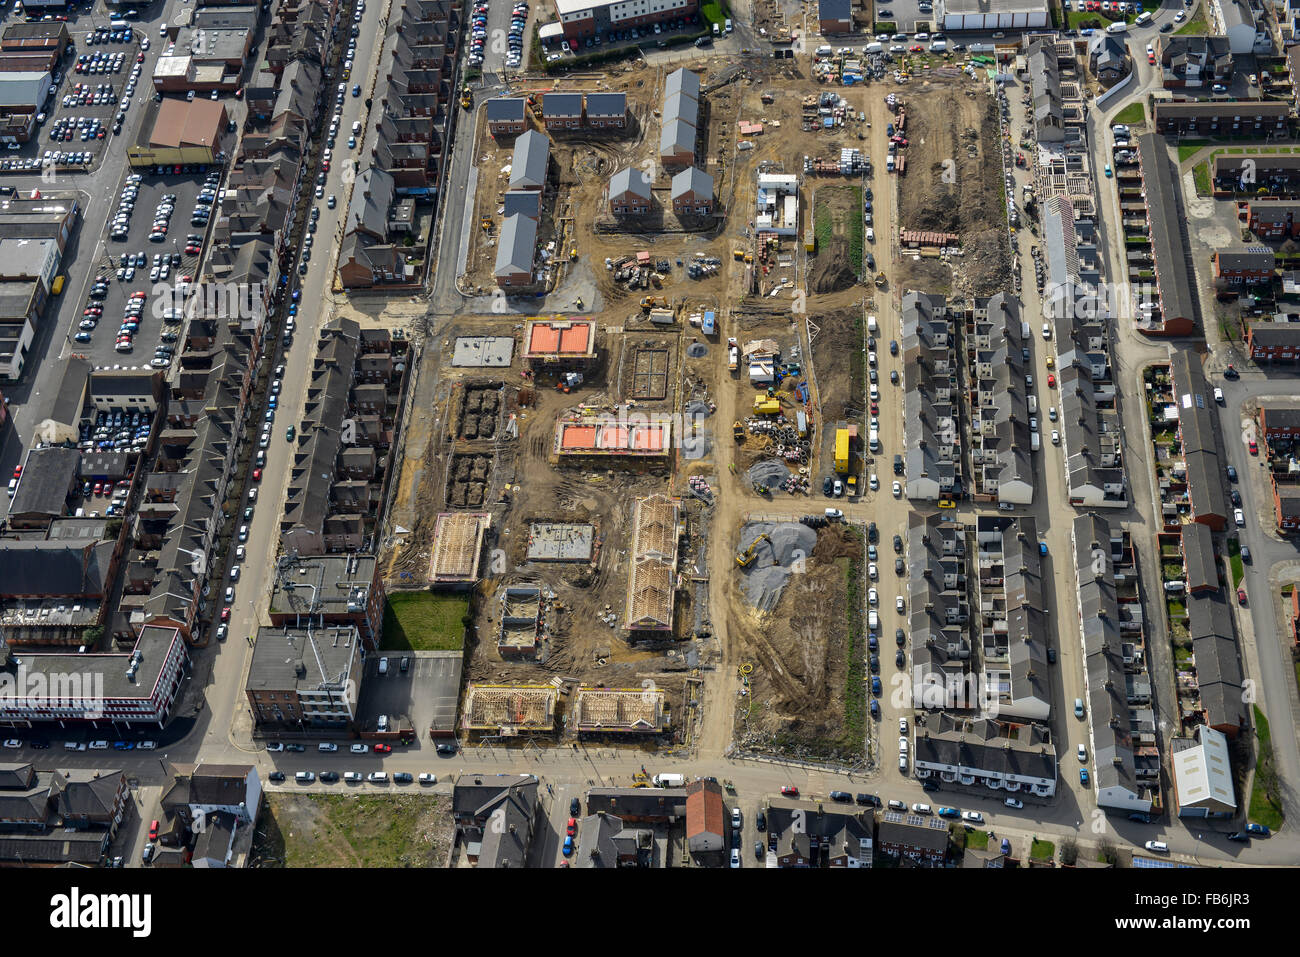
[(769, 473), (764, 580)]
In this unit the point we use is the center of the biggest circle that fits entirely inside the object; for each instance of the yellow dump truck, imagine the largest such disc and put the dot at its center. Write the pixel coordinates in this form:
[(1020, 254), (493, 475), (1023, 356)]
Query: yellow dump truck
[(766, 405)]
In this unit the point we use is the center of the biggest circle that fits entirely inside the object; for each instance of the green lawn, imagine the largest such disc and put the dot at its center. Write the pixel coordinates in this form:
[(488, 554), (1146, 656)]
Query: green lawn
[(1201, 177), (1262, 808), (977, 840), (712, 12), (1234, 561), (1131, 115), (423, 621), (1042, 850), (1188, 148), (1195, 25)]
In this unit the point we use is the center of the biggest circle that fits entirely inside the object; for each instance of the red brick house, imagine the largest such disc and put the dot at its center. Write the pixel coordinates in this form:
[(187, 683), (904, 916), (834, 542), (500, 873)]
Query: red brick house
[(1273, 218), (1273, 341), (562, 111), (1279, 425), (1244, 266), (706, 818)]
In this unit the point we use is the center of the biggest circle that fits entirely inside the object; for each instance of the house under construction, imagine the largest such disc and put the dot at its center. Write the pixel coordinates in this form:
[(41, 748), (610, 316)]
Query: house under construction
[(651, 584), (458, 548), (611, 437), (521, 618), (553, 343), (619, 711), (509, 709)]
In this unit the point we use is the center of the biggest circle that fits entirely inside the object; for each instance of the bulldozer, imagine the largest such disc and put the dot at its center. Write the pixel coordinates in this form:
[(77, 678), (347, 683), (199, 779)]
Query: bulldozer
[(747, 557), (738, 431), (880, 280)]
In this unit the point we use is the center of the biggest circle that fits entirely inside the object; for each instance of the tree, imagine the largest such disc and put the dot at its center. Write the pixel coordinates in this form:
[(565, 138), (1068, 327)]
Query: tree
[(1069, 851), (92, 636), (1109, 852)]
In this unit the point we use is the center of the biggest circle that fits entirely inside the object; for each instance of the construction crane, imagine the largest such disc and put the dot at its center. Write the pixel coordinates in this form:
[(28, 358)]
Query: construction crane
[(745, 558)]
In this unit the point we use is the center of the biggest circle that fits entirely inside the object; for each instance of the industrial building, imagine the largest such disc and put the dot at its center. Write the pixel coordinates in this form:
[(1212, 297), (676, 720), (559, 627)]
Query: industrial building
[(178, 132)]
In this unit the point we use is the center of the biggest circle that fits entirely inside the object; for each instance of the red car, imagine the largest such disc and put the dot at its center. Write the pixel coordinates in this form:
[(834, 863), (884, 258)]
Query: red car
[(573, 827), (1051, 380), (257, 475), (916, 48), (1241, 596), (383, 749), (790, 791), (239, 94), (153, 831), (325, 165), (225, 616), (18, 471), (875, 408), (99, 488), (139, 58), (1254, 447)]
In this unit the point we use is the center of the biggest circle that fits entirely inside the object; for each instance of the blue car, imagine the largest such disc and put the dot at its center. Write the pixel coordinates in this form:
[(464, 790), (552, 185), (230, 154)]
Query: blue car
[(124, 745), (1260, 829), (1083, 776), (949, 812), (1006, 846), (875, 684), (568, 845), (875, 709)]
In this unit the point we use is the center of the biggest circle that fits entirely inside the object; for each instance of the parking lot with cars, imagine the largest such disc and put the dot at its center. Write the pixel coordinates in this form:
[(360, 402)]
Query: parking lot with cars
[(88, 103), (152, 240)]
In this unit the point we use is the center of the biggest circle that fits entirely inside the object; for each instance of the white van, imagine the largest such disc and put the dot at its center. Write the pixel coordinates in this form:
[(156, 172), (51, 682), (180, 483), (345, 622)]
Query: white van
[(1117, 28), (383, 666), (378, 777), (823, 50), (871, 325), (938, 46), (118, 24), (873, 440), (1033, 402), (304, 777), (1143, 19), (874, 48), (1024, 330), (873, 619), (1035, 443)]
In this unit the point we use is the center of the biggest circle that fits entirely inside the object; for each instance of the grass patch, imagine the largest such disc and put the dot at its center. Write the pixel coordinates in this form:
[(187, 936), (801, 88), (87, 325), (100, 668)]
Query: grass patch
[(886, 26), (423, 621), (977, 840), (822, 227), (353, 830), (1265, 803), (1172, 571), (713, 12), (1131, 115), (1182, 657), (1196, 25), (1189, 148), (1176, 609), (1201, 177), (1042, 850), (1234, 561), (855, 679)]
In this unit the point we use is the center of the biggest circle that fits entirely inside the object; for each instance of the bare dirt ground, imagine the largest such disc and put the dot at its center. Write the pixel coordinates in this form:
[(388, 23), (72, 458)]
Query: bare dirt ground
[(800, 658), (954, 183)]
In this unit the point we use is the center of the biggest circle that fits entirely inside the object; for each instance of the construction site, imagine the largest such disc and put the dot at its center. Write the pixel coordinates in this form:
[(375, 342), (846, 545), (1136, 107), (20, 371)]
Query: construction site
[(634, 496)]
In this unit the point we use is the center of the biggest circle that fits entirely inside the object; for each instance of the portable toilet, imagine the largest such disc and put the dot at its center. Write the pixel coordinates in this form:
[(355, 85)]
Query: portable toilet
[(709, 327)]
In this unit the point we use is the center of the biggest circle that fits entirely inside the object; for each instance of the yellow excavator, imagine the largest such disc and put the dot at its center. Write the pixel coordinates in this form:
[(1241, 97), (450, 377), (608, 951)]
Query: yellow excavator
[(744, 560), (466, 97)]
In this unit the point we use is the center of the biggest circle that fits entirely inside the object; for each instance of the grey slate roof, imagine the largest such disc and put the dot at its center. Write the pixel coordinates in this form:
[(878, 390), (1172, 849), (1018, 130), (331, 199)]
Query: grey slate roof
[(692, 180), (835, 10), (1198, 557), (47, 476), (1164, 215), (509, 109), (605, 105), (630, 180), (560, 104), (516, 245), (677, 137), (532, 152), (682, 81)]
